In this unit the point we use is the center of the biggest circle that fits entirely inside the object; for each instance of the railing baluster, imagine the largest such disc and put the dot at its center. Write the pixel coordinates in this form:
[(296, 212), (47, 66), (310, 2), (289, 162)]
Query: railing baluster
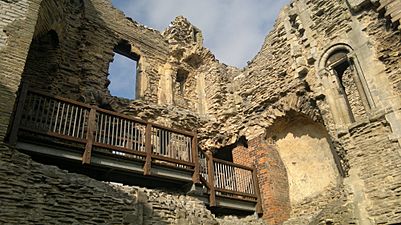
[(61, 117), (56, 120), (79, 134), (50, 109), (71, 116), (66, 118), (42, 115), (108, 129), (134, 139), (83, 123), (125, 143), (75, 121)]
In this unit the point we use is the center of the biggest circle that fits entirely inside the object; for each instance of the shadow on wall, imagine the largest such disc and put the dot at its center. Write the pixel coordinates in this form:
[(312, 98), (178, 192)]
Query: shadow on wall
[(7, 98), (307, 152)]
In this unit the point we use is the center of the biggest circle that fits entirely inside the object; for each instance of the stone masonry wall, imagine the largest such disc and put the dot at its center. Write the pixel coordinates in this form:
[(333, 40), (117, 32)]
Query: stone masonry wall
[(17, 23), (223, 103), (48, 195)]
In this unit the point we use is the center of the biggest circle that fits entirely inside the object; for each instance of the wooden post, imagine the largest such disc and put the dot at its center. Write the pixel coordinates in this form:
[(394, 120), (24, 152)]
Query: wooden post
[(195, 159), (18, 114), (210, 171), (148, 148), (258, 208), (86, 158)]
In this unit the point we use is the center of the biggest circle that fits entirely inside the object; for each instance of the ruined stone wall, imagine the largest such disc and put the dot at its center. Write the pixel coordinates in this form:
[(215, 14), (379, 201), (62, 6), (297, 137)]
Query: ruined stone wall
[(289, 74), (77, 66), (49, 195), (17, 23), (53, 62)]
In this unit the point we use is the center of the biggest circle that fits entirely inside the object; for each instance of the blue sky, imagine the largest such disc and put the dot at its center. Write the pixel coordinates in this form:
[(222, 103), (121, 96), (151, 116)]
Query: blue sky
[(233, 30)]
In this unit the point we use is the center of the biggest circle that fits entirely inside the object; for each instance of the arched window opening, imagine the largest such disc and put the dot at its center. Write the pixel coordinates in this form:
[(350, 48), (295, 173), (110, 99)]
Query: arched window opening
[(345, 85), (180, 79), (43, 63), (123, 72)]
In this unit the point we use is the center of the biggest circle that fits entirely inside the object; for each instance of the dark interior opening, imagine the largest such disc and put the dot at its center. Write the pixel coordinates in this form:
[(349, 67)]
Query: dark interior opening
[(181, 77)]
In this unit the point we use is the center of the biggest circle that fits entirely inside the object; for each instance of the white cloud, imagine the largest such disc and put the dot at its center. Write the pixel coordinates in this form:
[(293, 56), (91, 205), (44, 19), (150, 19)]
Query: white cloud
[(234, 30)]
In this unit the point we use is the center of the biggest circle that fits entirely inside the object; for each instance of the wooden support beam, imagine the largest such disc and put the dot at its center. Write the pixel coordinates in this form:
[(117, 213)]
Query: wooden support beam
[(195, 159), (148, 149), (86, 158), (210, 170), (258, 208), (18, 114)]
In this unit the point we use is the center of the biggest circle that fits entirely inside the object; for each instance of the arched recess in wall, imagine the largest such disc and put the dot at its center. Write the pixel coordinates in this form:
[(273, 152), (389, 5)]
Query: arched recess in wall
[(308, 155), (179, 87), (42, 62), (345, 86)]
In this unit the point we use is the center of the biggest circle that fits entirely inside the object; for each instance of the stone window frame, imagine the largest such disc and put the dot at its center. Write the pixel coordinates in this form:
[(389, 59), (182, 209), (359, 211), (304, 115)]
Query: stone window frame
[(124, 48), (326, 71)]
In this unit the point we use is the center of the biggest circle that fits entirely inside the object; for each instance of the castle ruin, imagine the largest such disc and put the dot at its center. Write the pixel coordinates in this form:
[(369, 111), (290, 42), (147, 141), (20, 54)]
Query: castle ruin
[(309, 132)]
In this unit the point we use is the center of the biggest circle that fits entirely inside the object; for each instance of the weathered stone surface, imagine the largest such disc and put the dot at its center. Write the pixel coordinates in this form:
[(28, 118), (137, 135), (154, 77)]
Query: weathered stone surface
[(335, 64)]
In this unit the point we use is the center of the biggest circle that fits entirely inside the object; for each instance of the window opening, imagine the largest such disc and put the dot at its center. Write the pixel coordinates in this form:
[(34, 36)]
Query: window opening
[(180, 81), (349, 84), (123, 72)]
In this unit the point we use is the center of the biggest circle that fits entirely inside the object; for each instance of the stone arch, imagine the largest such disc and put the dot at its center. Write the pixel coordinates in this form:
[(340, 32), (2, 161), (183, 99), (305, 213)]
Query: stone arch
[(344, 85), (53, 61), (308, 155), (42, 61)]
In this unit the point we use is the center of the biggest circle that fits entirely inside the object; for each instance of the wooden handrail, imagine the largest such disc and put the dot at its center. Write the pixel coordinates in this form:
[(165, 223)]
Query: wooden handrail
[(237, 188), (63, 114), (232, 164), (67, 100), (112, 113)]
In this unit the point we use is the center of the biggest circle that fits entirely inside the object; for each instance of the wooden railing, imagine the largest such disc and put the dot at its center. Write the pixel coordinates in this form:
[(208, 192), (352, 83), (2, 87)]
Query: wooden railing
[(119, 135), (227, 179), (109, 132)]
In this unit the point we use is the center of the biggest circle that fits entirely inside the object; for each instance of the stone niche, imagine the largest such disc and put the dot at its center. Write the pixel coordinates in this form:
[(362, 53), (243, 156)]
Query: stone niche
[(307, 153)]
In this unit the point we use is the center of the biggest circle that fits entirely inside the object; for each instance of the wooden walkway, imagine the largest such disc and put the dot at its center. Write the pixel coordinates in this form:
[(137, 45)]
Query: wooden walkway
[(154, 148)]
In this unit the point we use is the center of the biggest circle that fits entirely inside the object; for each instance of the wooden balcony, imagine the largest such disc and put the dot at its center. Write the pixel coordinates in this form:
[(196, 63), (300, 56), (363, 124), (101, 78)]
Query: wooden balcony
[(69, 132)]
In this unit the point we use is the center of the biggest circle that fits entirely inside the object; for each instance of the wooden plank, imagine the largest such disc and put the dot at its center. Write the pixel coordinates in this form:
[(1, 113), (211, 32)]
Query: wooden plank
[(120, 115), (232, 164), (171, 160), (168, 165), (195, 159), (53, 134), (18, 114), (86, 158), (259, 209), (240, 198), (223, 190), (210, 170), (183, 132), (117, 148), (66, 100), (148, 149), (177, 131)]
